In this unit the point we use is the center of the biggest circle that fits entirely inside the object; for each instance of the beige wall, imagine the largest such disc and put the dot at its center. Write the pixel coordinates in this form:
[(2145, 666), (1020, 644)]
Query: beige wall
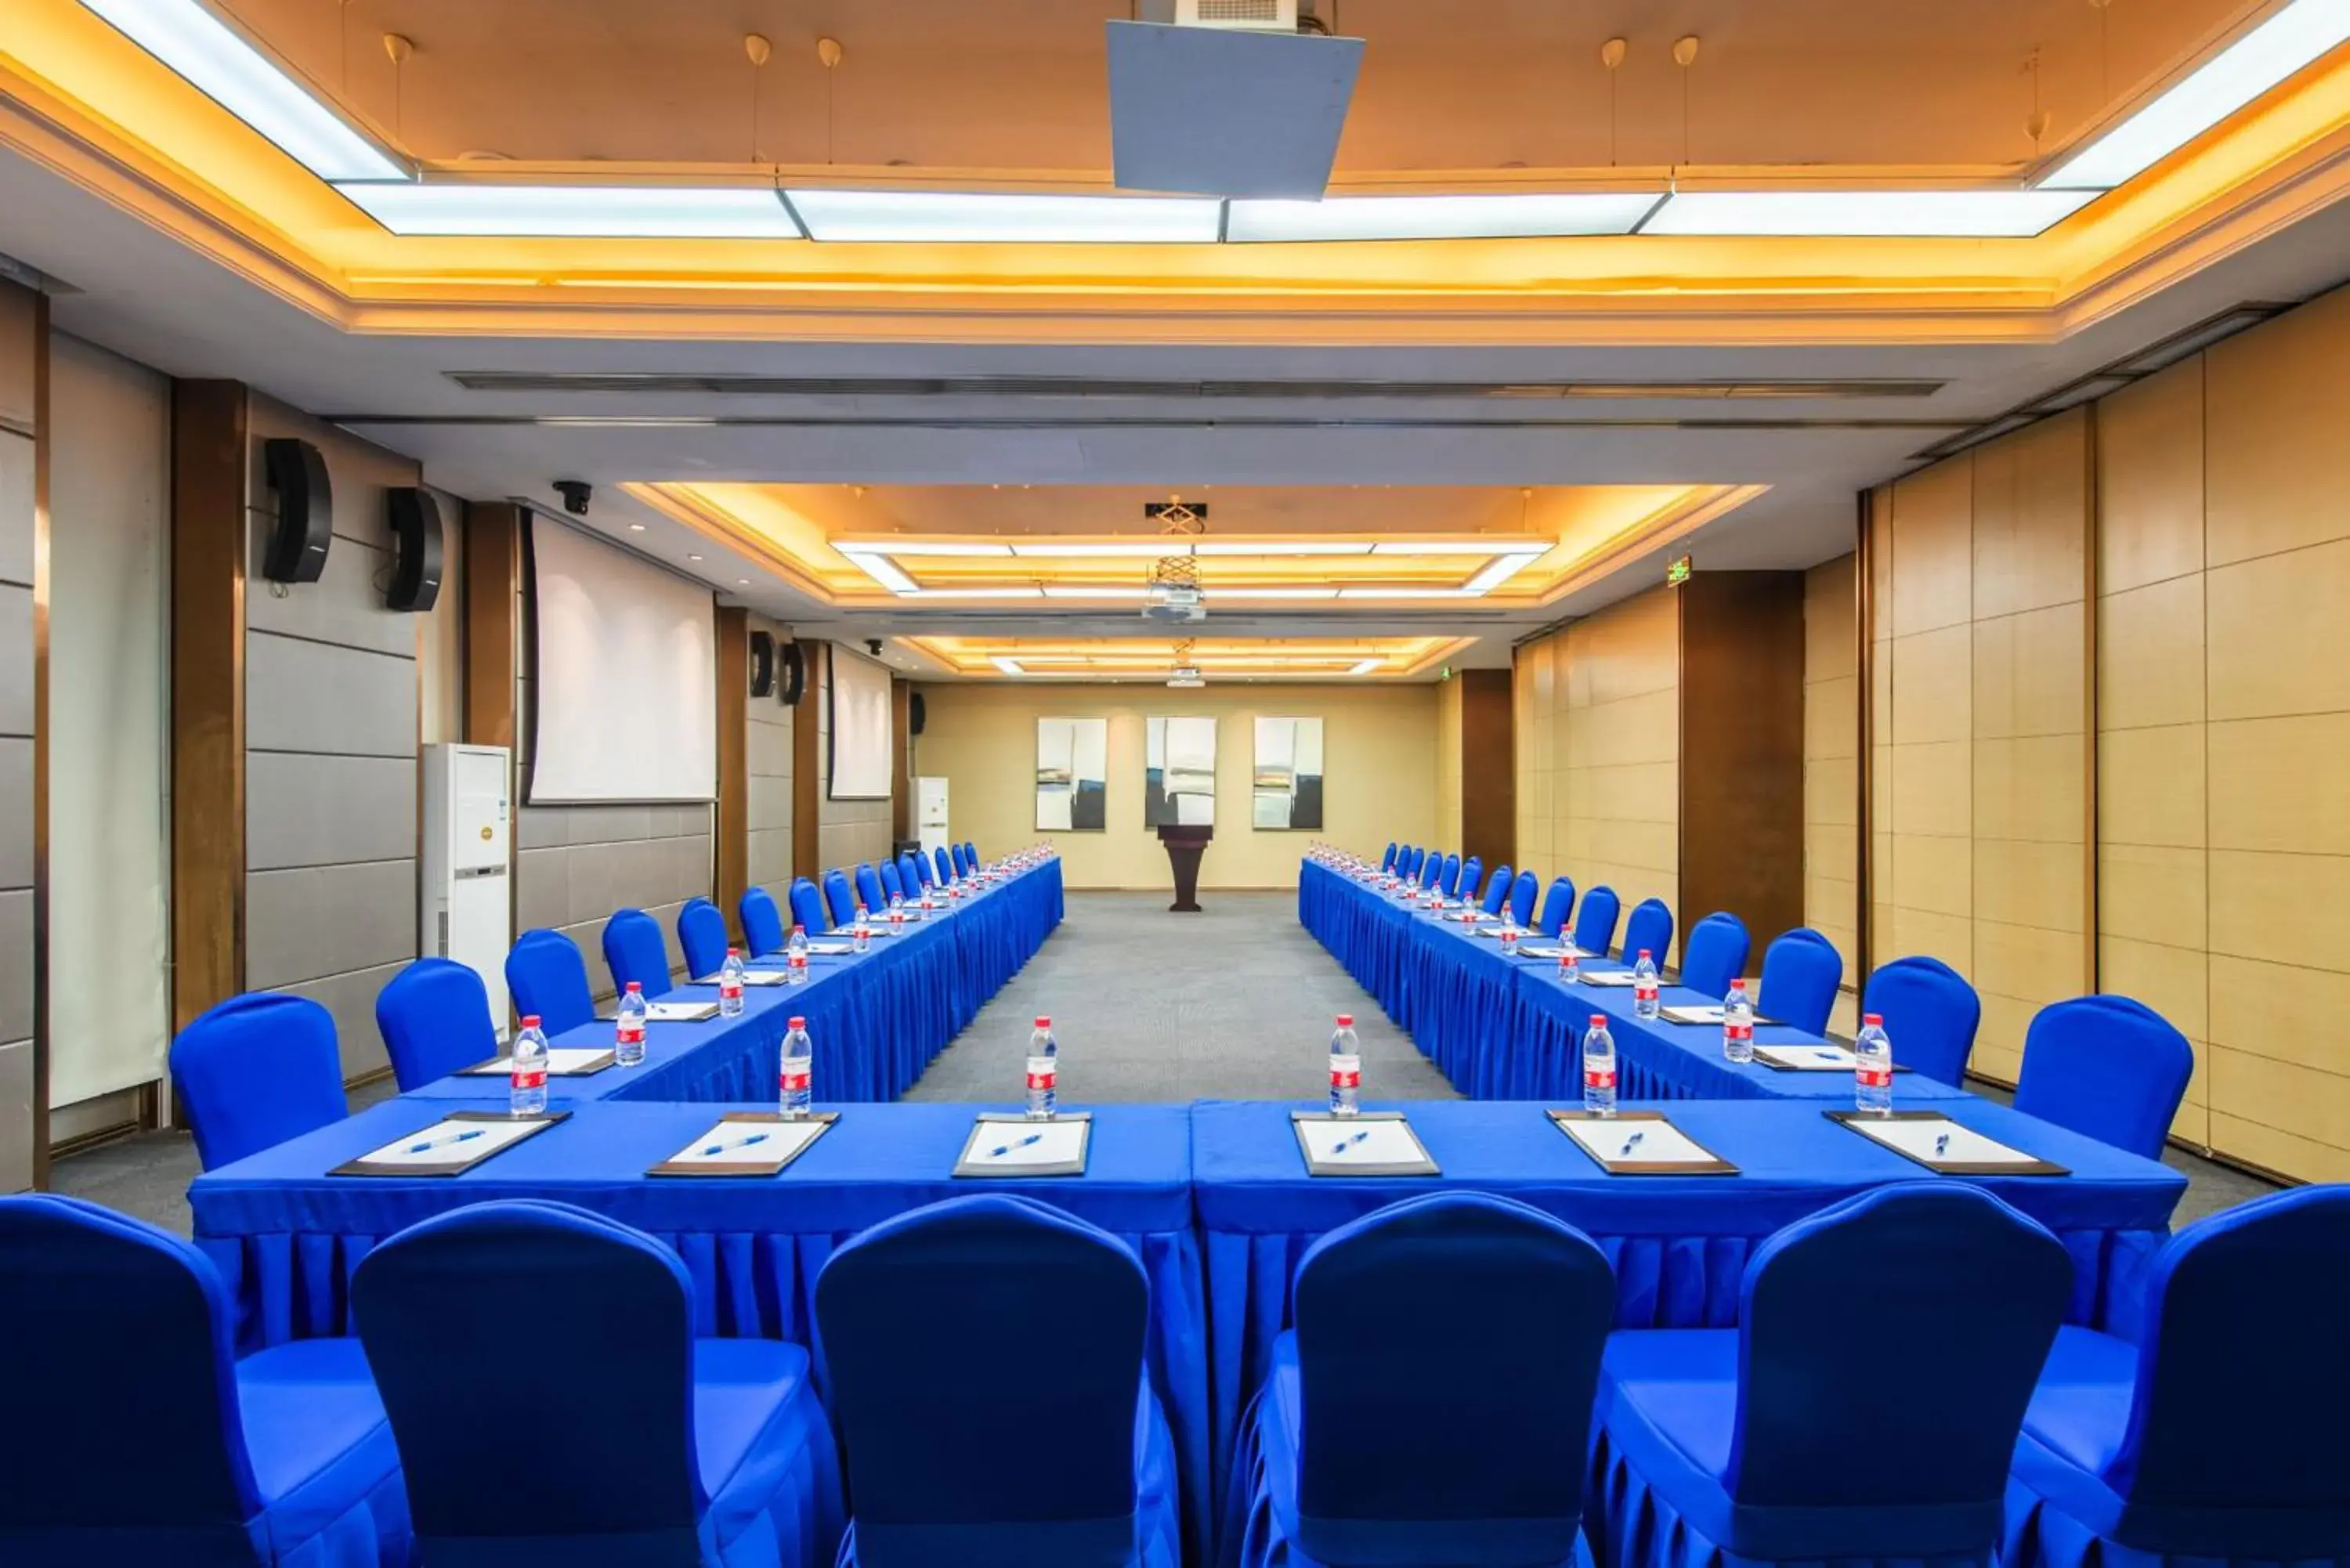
[(1448, 766), (1832, 771), (1379, 746)]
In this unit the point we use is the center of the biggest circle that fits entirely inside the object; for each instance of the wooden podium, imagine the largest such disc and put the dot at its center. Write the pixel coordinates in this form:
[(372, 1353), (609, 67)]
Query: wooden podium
[(1184, 844)]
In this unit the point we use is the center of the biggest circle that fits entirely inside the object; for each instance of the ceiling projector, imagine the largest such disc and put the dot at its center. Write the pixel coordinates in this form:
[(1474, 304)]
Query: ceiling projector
[(1186, 678), (1174, 602)]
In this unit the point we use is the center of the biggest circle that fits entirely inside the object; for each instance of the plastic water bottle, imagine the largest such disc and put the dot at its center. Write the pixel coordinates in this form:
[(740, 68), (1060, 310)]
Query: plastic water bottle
[(795, 957), (1598, 1068), (860, 936), (729, 984), (1044, 1072), (1738, 1023), (527, 1081), (1346, 1066), (1644, 987), (1872, 1066), (1570, 961), (1508, 937), (797, 1078), (628, 1041)]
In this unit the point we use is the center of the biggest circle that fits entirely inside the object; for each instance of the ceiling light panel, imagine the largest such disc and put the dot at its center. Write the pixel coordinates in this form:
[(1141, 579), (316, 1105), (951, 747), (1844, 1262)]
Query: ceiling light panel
[(1275, 547), (922, 547), (580, 212), (1028, 593), (882, 570), (1100, 552), (1500, 570), (1009, 666), (1438, 217), (950, 217), (1863, 214), (1217, 595), (2294, 38), (1463, 546), (1365, 667), (215, 60), (1095, 593)]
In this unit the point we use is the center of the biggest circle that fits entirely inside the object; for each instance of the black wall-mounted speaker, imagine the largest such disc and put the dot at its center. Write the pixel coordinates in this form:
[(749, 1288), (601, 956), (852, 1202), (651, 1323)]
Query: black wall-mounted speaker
[(305, 511), (762, 664), (917, 712), (794, 684), (416, 549)]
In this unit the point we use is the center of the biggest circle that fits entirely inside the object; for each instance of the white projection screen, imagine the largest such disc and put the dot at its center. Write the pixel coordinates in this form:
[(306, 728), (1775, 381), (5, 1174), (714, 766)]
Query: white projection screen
[(625, 677), (860, 727)]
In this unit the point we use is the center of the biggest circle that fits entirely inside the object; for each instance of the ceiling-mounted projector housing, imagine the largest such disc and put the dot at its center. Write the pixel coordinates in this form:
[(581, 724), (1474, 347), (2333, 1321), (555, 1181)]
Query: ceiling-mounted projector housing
[(1252, 16), (1226, 97), (1174, 602), (1186, 678)]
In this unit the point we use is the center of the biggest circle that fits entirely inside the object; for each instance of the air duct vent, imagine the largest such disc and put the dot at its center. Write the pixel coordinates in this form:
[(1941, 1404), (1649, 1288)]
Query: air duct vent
[(1257, 15)]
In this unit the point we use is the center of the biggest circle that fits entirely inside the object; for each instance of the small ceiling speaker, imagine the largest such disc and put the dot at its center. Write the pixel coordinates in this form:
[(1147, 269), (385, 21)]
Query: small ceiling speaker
[(297, 470), (791, 683), (416, 549), (762, 664)]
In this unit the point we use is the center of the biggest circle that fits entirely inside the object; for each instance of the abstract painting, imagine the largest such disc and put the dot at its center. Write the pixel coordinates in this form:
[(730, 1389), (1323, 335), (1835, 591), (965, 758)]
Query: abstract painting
[(1179, 773), (1072, 774), (1285, 790)]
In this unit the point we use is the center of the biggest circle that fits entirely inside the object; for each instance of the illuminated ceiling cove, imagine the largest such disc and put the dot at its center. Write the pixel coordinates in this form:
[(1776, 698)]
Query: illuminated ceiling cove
[(1215, 659)]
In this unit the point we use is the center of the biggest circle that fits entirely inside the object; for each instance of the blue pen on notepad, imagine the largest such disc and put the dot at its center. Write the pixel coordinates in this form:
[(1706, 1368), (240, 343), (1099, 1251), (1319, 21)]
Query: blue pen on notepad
[(737, 1143), (432, 1143), (1629, 1145), (1941, 1145), (1002, 1149), (1344, 1144)]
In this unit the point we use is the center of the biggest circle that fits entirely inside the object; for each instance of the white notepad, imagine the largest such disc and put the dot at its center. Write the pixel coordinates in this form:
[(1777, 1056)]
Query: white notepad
[(562, 1062), (759, 1144), (1942, 1144), (680, 1012), (1621, 977), (448, 1144), (1806, 1058), (1014, 1145), (831, 949), (1374, 1144), (1635, 1143), (750, 977)]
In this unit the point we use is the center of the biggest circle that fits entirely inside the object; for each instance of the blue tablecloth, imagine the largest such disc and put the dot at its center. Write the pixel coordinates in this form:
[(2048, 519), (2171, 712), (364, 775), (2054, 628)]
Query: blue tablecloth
[(1505, 1029), (1679, 1243), (286, 1236), (875, 1019)]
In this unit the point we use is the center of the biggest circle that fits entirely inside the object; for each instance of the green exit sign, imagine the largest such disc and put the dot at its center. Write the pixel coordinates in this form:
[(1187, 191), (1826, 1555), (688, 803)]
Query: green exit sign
[(1678, 573)]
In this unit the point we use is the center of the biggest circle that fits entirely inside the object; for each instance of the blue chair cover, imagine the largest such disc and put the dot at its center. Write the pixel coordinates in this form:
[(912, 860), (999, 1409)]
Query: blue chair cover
[(929, 1324), (1930, 1014), (945, 864), (1558, 904), (633, 950), (1448, 880), (911, 876), (807, 908), (643, 1444), (890, 887), (256, 1070), (969, 855), (1650, 930), (1780, 1441), (1714, 953), (1432, 868), (838, 896), (1801, 971), (1523, 894), (2216, 1436), (1497, 890), (762, 923), (1407, 862), (135, 1438), (961, 865), (547, 978), (869, 886), (434, 1017), (701, 933), (2107, 1066), (1380, 1449), (1387, 858), (1464, 883), (1594, 924)]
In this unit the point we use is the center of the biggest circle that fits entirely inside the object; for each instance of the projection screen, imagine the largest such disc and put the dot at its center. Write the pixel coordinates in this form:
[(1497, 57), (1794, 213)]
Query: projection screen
[(624, 676), (860, 727)]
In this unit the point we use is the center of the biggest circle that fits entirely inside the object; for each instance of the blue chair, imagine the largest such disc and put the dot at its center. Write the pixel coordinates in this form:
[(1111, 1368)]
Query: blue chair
[(945, 864), (702, 934), (1487, 1467), (1388, 860), (762, 923), (633, 951), (1558, 904), (2107, 1066), (1930, 1014), (929, 1323), (1497, 890), (1650, 929), (1522, 893), (256, 1070), (912, 874), (644, 1444), (548, 979), (1448, 881), (1801, 971), (1432, 868), (970, 855), (1714, 953), (1464, 883), (434, 1017), (890, 887), (136, 1436), (807, 908), (869, 886), (2211, 1433), (1594, 924), (1769, 1442), (961, 860), (837, 897)]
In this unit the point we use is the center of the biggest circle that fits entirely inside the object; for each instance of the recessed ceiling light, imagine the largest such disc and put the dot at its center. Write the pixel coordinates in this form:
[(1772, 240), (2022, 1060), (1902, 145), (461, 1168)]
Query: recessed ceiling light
[(578, 211), (1440, 217), (691, 557), (636, 527), (742, 582), (1863, 214), (947, 217)]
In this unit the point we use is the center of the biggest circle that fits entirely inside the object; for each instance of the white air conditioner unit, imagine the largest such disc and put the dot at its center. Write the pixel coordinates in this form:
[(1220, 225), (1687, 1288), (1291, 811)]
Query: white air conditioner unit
[(1186, 678), (1248, 16), (1174, 602)]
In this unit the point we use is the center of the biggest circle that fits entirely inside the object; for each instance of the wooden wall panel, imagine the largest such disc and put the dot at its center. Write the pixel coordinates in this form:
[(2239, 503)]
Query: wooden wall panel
[(1741, 750), (492, 629), (1831, 765), (1489, 791), (1448, 763), (807, 768), (1620, 811), (730, 852)]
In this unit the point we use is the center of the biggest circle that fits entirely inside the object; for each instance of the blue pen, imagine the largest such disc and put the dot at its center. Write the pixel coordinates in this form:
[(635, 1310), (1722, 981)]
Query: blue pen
[(1344, 1144), (1630, 1144), (434, 1143), (1941, 1145), (1000, 1152), (738, 1143)]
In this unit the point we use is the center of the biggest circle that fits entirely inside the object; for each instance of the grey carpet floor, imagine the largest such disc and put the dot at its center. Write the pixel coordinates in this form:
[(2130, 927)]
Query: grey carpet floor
[(1232, 1003)]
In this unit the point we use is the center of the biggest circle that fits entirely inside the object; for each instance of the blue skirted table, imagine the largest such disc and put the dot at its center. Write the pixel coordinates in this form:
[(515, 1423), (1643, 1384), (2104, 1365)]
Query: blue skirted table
[(1679, 1243), (286, 1236)]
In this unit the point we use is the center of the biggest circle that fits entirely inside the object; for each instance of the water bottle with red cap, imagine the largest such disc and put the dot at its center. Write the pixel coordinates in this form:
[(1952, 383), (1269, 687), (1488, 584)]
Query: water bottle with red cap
[(1044, 1071), (1346, 1066), (526, 1070), (1598, 1068), (798, 1079)]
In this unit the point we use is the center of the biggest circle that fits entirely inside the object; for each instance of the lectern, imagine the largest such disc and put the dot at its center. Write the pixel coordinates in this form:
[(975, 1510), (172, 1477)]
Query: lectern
[(1184, 842)]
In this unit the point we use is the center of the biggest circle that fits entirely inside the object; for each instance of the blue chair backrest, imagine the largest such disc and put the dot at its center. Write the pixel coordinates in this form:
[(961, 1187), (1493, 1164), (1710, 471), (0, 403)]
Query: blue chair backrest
[(436, 1308), (1523, 894), (1930, 1015), (434, 1017), (1497, 890), (944, 862), (912, 874), (807, 908), (837, 897), (1595, 925), (1558, 904), (1388, 860), (1464, 885), (633, 950), (547, 978), (1650, 930), (1801, 971), (2107, 1066), (1448, 881), (970, 855), (1714, 953), (701, 933), (1431, 867), (961, 861), (2235, 1332), (869, 886), (921, 1412), (1493, 1455), (762, 923), (1952, 1265), (256, 1070), (890, 887)]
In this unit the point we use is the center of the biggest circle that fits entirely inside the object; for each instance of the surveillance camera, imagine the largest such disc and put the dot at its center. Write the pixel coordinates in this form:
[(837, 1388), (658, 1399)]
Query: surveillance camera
[(873, 646), (576, 493)]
